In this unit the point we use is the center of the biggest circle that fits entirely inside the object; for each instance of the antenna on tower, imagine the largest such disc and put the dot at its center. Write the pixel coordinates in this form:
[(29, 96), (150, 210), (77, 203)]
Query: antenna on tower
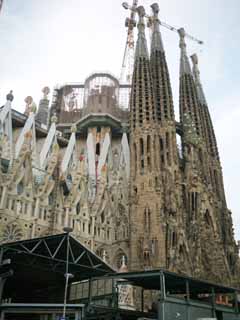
[(128, 58)]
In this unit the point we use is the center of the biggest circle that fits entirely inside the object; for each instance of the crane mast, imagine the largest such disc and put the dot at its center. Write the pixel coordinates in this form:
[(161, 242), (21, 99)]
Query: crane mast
[(128, 58)]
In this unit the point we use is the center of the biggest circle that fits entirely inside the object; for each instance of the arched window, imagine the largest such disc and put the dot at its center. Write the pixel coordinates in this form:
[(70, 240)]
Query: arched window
[(148, 144), (174, 239)]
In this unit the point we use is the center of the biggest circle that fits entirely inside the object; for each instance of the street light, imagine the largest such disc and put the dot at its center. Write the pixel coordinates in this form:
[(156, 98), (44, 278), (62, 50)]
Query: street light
[(67, 274)]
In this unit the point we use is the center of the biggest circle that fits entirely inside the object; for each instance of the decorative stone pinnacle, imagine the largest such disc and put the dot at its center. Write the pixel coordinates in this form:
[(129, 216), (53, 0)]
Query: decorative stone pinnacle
[(141, 11), (182, 32), (28, 100), (182, 35), (155, 8), (196, 73), (194, 58), (141, 47), (54, 118), (156, 43), (74, 128), (10, 96), (45, 92), (55, 147), (33, 107)]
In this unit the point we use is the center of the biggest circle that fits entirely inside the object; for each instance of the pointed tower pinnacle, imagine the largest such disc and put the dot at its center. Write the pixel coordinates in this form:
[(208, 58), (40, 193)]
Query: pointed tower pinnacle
[(9, 96), (141, 47), (160, 73), (43, 108), (184, 65), (157, 43), (189, 105), (142, 104), (207, 125), (196, 74), (144, 162)]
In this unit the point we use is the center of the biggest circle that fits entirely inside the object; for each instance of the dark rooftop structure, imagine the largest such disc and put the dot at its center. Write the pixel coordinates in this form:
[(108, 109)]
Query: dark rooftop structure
[(34, 281)]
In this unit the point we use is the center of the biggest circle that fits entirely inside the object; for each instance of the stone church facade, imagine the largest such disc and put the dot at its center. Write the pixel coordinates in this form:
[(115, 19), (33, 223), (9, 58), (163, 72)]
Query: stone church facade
[(110, 167)]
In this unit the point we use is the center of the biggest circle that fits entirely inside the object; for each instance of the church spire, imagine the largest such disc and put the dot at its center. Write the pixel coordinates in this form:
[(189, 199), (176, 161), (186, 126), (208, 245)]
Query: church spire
[(196, 74), (141, 47), (142, 104), (184, 64), (188, 94), (160, 73), (207, 124), (157, 43)]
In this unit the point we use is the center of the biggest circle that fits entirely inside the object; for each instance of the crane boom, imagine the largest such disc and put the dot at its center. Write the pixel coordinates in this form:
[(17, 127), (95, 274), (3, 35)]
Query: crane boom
[(164, 24)]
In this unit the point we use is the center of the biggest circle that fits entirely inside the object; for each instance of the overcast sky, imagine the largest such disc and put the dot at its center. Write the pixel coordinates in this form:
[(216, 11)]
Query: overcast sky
[(48, 42)]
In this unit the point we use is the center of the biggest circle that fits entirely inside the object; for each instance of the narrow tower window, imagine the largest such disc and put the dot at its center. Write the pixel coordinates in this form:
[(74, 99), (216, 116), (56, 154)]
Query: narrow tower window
[(98, 149), (142, 155)]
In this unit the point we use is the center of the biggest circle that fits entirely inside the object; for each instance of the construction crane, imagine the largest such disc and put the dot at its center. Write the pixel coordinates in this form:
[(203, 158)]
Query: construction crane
[(164, 24), (128, 58)]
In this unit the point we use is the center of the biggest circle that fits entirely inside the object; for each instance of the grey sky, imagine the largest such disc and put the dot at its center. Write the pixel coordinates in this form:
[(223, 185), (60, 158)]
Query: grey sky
[(55, 41)]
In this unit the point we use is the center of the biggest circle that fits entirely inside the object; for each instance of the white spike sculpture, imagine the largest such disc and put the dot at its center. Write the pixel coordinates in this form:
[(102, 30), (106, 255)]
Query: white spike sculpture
[(29, 125), (126, 153), (48, 143), (91, 157), (104, 153), (69, 153), (6, 124), (91, 166)]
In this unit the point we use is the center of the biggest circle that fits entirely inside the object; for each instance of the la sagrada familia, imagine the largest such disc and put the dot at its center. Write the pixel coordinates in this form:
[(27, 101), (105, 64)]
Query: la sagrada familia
[(103, 158)]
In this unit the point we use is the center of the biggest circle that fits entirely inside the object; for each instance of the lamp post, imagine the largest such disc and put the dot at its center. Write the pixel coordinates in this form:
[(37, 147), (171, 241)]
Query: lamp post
[(67, 274)]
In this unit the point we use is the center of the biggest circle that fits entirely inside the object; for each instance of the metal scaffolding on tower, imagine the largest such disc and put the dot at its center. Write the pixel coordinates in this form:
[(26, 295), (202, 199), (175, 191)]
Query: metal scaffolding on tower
[(130, 23), (128, 58)]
